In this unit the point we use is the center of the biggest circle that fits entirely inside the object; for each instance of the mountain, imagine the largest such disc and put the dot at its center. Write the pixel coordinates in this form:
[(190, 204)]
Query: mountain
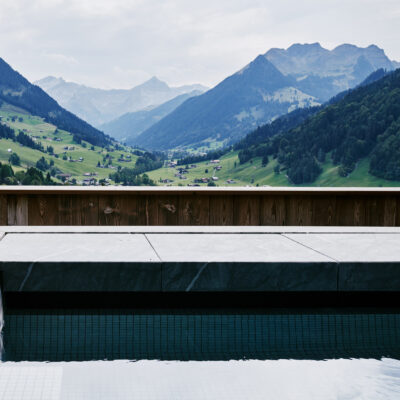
[(273, 84), (293, 119), (255, 95), (364, 125), (324, 73), (16, 90), (127, 127), (33, 146), (98, 106)]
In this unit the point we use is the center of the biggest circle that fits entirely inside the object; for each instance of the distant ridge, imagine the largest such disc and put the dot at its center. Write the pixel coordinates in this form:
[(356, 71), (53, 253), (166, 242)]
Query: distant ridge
[(18, 91), (325, 73), (99, 106), (130, 125)]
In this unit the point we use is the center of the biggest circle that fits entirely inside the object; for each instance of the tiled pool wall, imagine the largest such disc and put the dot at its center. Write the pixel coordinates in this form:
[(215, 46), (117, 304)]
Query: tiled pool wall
[(1, 321), (200, 334)]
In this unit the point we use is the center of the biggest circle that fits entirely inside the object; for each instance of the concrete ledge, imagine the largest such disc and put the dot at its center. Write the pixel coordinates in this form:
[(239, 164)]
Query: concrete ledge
[(145, 260)]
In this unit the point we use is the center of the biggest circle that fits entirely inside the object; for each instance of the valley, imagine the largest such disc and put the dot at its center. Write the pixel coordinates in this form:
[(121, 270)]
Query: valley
[(71, 161), (252, 173), (273, 123)]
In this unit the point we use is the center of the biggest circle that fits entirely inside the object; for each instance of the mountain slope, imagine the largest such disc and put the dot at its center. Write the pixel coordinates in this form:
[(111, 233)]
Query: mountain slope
[(255, 95), (272, 85), (98, 106), (295, 118), (365, 123), (16, 90), (31, 138), (128, 126)]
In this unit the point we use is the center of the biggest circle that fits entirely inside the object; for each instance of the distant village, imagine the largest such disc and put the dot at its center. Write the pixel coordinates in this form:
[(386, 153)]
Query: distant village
[(182, 174)]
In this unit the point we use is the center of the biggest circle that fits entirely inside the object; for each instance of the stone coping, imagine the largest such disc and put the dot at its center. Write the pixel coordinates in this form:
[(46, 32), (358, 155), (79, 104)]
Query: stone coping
[(148, 260)]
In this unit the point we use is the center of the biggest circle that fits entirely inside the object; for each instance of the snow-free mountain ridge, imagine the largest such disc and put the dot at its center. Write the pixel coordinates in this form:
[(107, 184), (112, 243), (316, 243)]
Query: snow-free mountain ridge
[(273, 84), (131, 125), (98, 106)]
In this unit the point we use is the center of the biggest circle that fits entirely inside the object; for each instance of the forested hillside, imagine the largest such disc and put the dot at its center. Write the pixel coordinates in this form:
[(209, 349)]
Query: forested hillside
[(251, 97), (280, 125), (16, 90), (365, 122)]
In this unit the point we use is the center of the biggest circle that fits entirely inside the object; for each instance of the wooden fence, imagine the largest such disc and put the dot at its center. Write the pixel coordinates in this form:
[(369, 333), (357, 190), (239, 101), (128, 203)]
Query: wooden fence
[(79, 206)]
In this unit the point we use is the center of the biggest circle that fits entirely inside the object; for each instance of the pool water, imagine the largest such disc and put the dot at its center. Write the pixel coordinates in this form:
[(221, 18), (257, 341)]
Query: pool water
[(219, 380), (201, 354)]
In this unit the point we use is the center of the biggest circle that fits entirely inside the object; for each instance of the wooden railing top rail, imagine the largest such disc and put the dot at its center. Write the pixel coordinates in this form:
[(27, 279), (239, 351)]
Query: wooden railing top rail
[(176, 190)]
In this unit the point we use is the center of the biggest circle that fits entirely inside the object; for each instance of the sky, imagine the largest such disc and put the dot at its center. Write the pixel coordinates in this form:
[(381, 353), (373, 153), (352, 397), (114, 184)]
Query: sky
[(121, 43)]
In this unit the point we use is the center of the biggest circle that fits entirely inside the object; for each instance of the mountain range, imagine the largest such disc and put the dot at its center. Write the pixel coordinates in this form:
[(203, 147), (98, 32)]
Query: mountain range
[(324, 72), (131, 125), (18, 91), (352, 139), (274, 84), (98, 106)]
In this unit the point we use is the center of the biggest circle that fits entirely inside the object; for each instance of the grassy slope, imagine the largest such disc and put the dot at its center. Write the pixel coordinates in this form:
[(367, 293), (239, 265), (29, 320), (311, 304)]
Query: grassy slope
[(35, 126), (243, 174)]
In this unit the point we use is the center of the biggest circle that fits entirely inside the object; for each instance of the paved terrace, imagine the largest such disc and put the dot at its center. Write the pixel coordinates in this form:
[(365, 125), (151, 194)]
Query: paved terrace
[(200, 259)]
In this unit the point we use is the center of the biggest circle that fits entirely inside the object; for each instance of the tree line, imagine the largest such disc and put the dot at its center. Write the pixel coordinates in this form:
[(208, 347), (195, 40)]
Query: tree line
[(132, 176), (364, 122), (31, 176)]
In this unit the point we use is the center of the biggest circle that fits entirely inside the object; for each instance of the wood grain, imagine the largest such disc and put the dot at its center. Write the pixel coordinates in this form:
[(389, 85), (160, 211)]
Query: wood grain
[(194, 210), (3, 210), (221, 210), (299, 210), (43, 210), (246, 210), (273, 210), (325, 208), (18, 210), (167, 209), (109, 210)]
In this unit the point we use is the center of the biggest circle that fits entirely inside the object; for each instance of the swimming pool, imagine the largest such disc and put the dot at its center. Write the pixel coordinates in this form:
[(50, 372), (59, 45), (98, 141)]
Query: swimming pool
[(201, 354)]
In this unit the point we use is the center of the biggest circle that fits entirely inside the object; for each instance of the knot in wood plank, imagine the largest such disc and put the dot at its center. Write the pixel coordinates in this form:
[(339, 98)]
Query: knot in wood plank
[(169, 207)]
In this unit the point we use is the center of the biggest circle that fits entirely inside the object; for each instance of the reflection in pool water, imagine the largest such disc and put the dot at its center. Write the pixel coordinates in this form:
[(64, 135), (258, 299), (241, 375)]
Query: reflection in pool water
[(174, 380)]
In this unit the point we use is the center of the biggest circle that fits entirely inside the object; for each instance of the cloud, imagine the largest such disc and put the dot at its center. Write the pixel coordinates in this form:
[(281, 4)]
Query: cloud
[(120, 43), (61, 58)]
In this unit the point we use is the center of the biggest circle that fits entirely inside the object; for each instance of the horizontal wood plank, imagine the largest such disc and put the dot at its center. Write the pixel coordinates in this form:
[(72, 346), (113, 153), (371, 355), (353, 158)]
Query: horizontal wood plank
[(245, 207)]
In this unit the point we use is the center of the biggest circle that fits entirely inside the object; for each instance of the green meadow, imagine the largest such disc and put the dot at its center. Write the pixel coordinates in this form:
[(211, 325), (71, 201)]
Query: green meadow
[(253, 174), (47, 134)]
